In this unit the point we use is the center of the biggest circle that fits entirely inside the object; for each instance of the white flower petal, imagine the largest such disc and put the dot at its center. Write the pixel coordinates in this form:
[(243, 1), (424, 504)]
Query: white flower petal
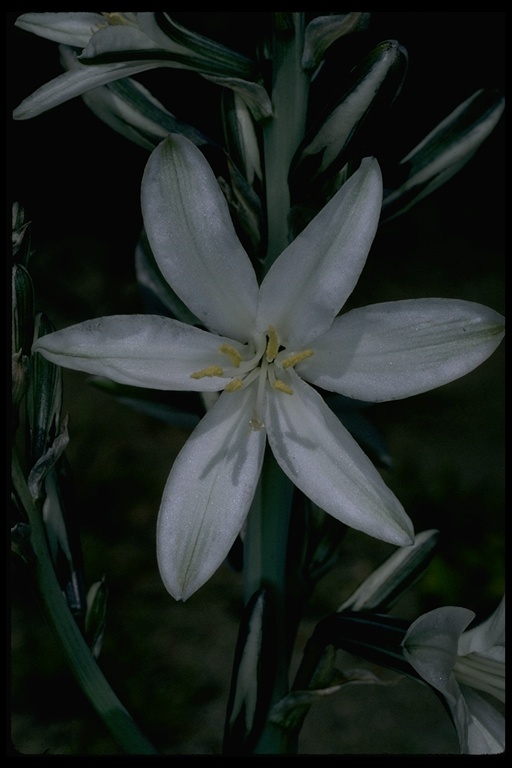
[(401, 348), (193, 239), (486, 725), (71, 28), (430, 646), (322, 459), (310, 281), (78, 81), (487, 638), (396, 571), (208, 493), (141, 350)]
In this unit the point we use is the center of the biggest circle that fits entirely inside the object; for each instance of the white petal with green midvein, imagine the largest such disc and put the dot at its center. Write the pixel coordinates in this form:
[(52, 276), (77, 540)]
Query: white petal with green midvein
[(208, 493), (320, 456), (401, 348)]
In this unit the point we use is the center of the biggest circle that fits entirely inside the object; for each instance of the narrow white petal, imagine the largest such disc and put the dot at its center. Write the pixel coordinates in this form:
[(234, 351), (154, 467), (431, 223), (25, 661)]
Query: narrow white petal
[(193, 239), (486, 727), (394, 571), (72, 28), (487, 638), (310, 281), (78, 81), (430, 646), (320, 456), (208, 493), (141, 350), (401, 348)]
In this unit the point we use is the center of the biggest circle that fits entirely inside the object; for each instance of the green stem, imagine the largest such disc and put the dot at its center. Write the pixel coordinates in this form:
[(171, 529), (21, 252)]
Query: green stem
[(284, 132), (265, 549), (80, 659), (266, 540)]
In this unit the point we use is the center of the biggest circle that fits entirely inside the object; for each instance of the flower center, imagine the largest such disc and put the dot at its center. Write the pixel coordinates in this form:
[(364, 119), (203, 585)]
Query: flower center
[(263, 359)]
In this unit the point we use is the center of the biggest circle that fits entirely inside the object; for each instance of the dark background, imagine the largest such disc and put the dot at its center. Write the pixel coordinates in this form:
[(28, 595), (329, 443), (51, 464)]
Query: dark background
[(169, 662)]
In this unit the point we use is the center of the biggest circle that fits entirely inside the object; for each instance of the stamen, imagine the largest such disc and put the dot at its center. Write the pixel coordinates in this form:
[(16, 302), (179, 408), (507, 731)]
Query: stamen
[(273, 344), (116, 18), (282, 387), (233, 354), (234, 385), (297, 357), (212, 370)]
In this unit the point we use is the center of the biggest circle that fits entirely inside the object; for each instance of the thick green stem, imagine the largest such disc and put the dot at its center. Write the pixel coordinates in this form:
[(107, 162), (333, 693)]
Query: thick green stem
[(284, 132), (80, 659), (266, 540), (265, 549)]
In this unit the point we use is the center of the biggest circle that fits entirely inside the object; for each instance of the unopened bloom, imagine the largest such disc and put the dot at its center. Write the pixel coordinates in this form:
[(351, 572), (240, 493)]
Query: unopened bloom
[(462, 664), (263, 349)]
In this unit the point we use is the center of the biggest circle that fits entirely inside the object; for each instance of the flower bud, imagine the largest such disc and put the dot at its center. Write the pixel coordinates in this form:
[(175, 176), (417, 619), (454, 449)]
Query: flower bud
[(331, 143)]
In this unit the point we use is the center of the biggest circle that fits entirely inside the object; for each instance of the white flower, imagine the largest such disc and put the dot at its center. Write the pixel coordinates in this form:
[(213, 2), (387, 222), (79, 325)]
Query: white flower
[(459, 663), (117, 45), (262, 347)]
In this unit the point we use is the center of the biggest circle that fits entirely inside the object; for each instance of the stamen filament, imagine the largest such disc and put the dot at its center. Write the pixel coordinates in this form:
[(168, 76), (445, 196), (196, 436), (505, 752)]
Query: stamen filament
[(277, 383)]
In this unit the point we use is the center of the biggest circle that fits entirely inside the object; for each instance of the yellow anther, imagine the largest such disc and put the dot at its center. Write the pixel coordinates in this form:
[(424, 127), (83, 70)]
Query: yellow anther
[(273, 344), (233, 354), (298, 357), (234, 385), (116, 18), (282, 387), (212, 370)]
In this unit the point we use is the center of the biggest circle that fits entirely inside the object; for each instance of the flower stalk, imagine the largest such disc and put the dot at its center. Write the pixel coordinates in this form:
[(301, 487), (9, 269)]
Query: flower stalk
[(81, 661)]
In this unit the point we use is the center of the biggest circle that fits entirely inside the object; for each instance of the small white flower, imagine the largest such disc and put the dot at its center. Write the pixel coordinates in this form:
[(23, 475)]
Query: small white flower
[(265, 345), (459, 663)]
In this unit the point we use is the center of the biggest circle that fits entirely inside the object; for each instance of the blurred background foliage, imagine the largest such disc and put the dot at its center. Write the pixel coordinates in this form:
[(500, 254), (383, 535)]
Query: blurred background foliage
[(169, 662)]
